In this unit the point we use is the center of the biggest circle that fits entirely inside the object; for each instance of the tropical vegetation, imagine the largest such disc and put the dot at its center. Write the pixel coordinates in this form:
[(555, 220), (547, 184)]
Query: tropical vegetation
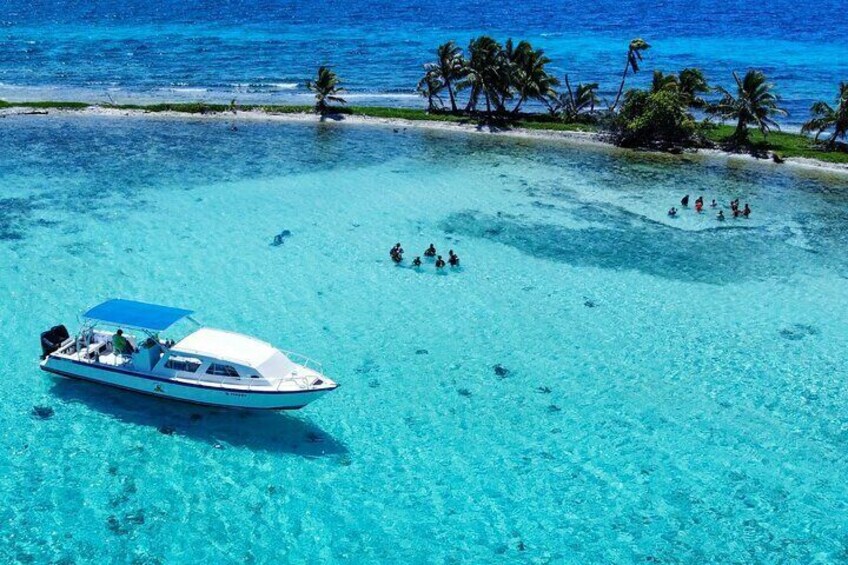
[(327, 87), (754, 102), (511, 84), (825, 117)]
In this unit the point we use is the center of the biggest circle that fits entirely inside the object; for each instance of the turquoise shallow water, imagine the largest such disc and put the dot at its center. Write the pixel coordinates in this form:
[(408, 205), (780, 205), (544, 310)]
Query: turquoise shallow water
[(668, 390)]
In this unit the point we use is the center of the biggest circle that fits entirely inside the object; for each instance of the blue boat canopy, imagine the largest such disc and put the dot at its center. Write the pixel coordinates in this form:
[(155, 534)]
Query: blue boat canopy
[(137, 315)]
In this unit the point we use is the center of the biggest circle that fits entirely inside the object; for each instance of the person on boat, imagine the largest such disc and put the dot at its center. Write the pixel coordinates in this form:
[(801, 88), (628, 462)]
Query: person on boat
[(720, 216), (672, 211), (416, 262), (453, 259), (430, 251), (684, 201), (713, 204), (747, 211), (440, 263), (120, 344)]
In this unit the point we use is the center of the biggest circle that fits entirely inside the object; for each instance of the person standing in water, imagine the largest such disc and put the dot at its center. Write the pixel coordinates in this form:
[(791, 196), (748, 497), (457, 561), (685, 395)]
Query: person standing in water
[(453, 259), (440, 263), (430, 251), (416, 262), (684, 201)]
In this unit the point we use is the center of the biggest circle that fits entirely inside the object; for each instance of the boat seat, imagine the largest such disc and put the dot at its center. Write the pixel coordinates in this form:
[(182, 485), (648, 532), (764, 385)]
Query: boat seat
[(91, 351)]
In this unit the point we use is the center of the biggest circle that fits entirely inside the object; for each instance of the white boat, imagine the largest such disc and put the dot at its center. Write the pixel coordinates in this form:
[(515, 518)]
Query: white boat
[(210, 367)]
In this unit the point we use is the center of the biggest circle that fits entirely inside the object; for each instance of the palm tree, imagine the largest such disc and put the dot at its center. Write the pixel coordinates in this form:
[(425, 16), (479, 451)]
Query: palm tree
[(326, 88), (486, 74), (689, 83), (529, 77), (825, 117), (579, 101), (692, 83), (754, 103), (634, 57), (449, 67), (661, 82), (429, 87)]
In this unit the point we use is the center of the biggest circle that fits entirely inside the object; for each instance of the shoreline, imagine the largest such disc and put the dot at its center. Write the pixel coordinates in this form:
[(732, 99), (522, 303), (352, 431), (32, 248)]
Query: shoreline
[(573, 138)]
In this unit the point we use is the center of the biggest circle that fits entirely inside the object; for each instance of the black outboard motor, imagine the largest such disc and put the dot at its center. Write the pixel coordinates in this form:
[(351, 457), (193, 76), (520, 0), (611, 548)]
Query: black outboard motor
[(52, 339)]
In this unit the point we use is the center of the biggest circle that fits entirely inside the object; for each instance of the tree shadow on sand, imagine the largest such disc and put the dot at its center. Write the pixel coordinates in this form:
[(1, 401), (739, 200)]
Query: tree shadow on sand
[(261, 430)]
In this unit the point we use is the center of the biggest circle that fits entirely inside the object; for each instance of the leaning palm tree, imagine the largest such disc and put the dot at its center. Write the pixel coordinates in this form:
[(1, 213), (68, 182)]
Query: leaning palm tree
[(529, 77), (576, 103), (754, 103), (430, 87), (326, 88), (486, 74), (634, 57), (825, 117), (449, 68)]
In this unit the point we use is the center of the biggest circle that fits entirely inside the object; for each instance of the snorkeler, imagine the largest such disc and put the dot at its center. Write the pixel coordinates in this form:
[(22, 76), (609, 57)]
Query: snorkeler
[(684, 201), (440, 263), (430, 251)]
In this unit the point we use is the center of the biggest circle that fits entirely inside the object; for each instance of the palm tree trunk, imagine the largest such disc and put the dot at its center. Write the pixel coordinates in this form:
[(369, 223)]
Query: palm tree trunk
[(621, 87), (520, 102), (450, 93), (488, 104), (741, 132)]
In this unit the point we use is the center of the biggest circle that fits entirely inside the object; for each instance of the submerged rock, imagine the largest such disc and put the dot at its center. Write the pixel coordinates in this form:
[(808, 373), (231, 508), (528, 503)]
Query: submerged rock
[(167, 430), (421, 352), (501, 371), (280, 238), (464, 392), (42, 412)]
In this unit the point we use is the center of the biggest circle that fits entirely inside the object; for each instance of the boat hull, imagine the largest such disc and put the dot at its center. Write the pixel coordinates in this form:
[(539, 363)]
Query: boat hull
[(186, 392)]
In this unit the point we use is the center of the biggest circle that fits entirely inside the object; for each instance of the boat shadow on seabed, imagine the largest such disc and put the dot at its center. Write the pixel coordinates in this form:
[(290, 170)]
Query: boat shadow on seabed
[(268, 431)]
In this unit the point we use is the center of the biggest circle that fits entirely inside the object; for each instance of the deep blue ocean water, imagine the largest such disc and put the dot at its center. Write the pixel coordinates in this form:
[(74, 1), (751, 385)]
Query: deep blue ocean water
[(263, 50)]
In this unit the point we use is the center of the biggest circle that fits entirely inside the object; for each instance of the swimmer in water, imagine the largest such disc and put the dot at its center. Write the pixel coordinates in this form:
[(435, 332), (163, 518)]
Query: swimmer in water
[(747, 211), (720, 216), (453, 259), (699, 206), (713, 204), (440, 263), (416, 262), (672, 211), (684, 201), (430, 251)]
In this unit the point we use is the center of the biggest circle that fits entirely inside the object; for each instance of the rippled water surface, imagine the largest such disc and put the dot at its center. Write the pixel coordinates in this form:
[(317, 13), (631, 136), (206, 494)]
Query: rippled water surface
[(264, 50), (597, 383)]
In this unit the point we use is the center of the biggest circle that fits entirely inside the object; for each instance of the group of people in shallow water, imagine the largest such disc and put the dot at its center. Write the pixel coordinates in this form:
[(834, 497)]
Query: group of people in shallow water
[(699, 207), (397, 256)]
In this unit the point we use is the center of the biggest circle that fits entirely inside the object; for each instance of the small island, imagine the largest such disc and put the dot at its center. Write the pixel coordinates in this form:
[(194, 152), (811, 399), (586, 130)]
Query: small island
[(507, 89)]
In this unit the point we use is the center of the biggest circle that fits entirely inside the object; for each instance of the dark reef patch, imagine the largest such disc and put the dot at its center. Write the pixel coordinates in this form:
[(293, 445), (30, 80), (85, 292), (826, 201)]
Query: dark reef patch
[(41, 412), (797, 332), (625, 242)]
